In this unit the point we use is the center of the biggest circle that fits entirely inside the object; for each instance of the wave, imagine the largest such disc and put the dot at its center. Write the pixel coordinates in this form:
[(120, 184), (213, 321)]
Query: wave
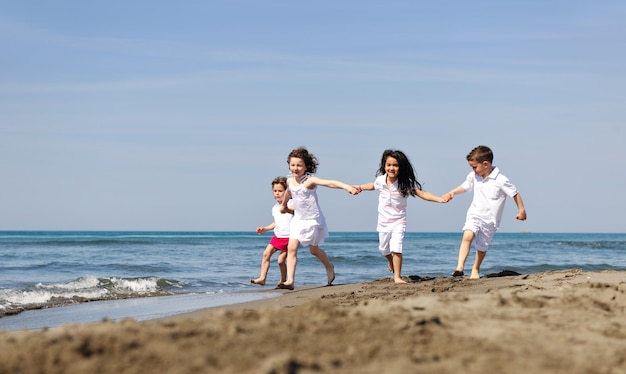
[(83, 289)]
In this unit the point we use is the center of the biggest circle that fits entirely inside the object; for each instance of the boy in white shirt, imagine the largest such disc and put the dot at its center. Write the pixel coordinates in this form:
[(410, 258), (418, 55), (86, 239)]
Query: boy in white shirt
[(484, 214)]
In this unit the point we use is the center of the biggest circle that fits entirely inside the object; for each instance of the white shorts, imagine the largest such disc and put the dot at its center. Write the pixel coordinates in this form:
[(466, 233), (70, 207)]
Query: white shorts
[(390, 241), (483, 233), (308, 232)]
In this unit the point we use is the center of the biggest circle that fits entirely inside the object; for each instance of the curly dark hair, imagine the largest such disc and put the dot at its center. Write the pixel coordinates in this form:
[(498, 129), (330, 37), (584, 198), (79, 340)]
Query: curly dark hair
[(407, 181), (310, 161)]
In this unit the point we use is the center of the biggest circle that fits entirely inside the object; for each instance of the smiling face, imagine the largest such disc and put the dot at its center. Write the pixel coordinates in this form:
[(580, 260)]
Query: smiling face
[(297, 167), (392, 168)]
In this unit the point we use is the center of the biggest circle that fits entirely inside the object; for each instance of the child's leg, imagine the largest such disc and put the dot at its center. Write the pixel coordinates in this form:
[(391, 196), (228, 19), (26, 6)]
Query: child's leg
[(397, 268), (480, 256), (464, 250), (389, 258), (292, 261), (265, 265), (394, 243), (321, 255), (282, 265), (384, 239)]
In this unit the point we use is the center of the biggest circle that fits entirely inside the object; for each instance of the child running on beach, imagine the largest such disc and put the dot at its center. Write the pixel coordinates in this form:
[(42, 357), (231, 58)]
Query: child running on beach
[(308, 226), (395, 181), (281, 225), (484, 214)]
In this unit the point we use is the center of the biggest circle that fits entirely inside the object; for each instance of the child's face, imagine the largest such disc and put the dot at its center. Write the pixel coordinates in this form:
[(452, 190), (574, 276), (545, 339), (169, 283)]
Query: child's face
[(279, 192), (297, 167), (392, 168), (482, 169)]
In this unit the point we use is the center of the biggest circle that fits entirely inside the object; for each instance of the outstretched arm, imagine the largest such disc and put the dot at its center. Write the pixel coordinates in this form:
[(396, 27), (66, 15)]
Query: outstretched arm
[(270, 227), (521, 211), (458, 190), (425, 195), (365, 187), (313, 181)]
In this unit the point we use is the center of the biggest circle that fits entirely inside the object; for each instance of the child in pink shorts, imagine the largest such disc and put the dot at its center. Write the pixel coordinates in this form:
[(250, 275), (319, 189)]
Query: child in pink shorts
[(281, 227)]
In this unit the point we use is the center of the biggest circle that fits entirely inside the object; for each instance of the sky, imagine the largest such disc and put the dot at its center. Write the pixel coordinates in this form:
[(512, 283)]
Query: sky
[(160, 115)]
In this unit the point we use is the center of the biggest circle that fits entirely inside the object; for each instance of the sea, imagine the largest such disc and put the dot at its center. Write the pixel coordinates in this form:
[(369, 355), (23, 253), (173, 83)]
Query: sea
[(53, 278)]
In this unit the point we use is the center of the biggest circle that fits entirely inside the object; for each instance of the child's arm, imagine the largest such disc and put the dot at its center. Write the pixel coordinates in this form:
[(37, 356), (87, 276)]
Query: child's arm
[(270, 227), (288, 210), (284, 208), (456, 191), (313, 181), (425, 195), (521, 211), (365, 187)]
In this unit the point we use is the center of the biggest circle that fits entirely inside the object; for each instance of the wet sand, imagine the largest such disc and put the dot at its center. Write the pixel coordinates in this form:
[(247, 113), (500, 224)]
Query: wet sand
[(553, 322)]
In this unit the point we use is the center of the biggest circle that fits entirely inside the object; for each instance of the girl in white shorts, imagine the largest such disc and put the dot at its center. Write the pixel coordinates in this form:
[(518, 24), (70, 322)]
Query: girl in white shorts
[(395, 181)]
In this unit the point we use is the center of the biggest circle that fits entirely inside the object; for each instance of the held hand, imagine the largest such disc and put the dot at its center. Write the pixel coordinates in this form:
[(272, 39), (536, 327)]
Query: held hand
[(358, 188), (447, 197), (284, 209), (353, 190)]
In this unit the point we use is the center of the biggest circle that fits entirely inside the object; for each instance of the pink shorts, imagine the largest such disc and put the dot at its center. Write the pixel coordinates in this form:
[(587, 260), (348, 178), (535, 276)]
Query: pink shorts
[(280, 243)]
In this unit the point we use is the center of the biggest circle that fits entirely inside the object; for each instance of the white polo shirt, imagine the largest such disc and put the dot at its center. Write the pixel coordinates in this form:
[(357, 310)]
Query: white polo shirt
[(391, 205), (489, 196)]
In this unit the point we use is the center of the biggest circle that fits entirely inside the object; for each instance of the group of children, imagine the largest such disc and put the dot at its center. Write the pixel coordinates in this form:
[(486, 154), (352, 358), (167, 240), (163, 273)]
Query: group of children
[(298, 219)]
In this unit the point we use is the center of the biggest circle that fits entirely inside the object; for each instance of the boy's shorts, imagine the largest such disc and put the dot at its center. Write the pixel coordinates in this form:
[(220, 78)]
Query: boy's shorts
[(279, 243), (483, 233), (390, 241)]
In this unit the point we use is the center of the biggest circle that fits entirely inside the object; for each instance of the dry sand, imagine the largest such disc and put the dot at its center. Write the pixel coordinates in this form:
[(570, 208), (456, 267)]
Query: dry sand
[(554, 322)]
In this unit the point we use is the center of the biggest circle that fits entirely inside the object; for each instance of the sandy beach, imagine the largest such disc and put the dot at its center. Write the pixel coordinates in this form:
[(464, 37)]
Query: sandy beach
[(553, 322)]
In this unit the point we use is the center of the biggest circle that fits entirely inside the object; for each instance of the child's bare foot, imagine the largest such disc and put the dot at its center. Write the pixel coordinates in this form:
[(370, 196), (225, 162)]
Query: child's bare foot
[(389, 263), (259, 281), (390, 267), (331, 275), (279, 284), (457, 273), (475, 274), (285, 286), (399, 281)]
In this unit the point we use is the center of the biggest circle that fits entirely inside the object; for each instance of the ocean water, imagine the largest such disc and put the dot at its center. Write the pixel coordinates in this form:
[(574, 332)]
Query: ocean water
[(52, 278)]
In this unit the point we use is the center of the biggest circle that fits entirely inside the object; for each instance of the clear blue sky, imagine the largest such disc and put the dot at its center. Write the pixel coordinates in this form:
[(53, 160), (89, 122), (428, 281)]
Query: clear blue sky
[(160, 115)]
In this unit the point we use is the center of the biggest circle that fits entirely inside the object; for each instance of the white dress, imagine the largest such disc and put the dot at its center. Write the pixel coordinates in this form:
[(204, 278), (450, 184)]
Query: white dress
[(308, 225)]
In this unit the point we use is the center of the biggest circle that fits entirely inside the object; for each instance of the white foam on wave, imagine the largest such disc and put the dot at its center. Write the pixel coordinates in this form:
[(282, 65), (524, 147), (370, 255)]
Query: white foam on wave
[(85, 282), (138, 285), (39, 296), (87, 287)]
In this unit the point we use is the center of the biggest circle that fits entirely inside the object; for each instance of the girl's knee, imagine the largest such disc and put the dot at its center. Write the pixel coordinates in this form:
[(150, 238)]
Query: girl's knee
[(468, 238)]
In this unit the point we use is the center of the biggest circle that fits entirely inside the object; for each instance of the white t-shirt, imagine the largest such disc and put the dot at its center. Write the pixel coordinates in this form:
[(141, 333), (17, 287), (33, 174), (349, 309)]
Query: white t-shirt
[(282, 220), (391, 205), (489, 196)]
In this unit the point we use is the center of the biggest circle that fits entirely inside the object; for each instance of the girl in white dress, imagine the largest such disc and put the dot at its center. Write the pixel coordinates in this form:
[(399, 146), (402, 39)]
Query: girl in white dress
[(308, 226)]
